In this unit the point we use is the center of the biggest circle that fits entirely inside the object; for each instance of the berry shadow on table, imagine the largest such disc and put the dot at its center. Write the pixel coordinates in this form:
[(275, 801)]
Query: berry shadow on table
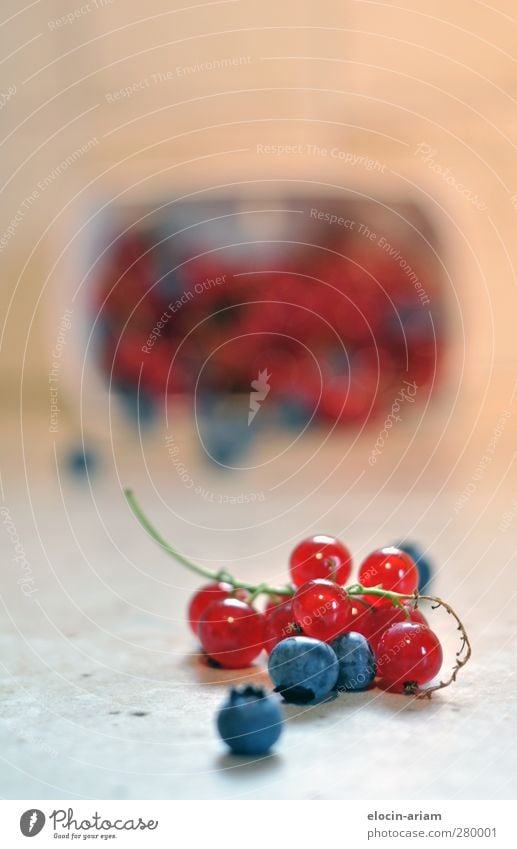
[(239, 766), (206, 673)]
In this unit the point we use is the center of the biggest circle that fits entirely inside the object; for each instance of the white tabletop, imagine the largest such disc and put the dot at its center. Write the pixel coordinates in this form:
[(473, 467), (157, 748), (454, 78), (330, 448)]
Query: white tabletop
[(103, 693)]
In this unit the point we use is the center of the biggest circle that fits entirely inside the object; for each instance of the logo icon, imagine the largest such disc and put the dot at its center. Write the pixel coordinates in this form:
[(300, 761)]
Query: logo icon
[(31, 822), (260, 389)]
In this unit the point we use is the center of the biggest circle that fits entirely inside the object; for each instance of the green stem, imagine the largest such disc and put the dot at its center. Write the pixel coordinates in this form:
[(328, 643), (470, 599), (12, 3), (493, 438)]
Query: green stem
[(396, 598), (254, 589)]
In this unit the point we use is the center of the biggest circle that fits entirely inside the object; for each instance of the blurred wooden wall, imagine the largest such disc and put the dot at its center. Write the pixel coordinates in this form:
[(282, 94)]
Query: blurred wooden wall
[(167, 97)]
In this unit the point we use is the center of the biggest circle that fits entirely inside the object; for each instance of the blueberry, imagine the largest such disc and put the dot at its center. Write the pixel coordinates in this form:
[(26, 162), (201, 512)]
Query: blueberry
[(224, 431), (293, 413), (138, 405), (303, 669), (356, 662), (250, 721), (425, 570), (81, 461)]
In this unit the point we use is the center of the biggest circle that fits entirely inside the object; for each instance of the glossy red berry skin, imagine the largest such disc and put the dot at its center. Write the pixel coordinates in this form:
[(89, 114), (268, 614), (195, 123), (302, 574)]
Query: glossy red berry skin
[(391, 569), (280, 624), (322, 610), (408, 655), (415, 614), (320, 556), (373, 622), (241, 594), (360, 618), (203, 598), (232, 633), (275, 601)]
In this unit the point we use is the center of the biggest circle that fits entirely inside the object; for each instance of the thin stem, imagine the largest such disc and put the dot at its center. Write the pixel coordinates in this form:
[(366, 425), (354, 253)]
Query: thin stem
[(395, 598), (151, 530), (357, 590), (464, 653), (194, 567), (259, 590)]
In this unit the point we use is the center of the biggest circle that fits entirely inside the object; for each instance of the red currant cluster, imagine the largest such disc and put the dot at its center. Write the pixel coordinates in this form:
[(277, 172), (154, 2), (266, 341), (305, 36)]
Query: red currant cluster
[(383, 607), (233, 632), (339, 339)]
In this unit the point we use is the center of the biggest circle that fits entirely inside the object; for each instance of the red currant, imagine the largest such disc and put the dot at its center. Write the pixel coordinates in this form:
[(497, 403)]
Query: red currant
[(392, 569), (360, 619), (203, 598), (241, 594), (320, 557), (322, 609), (415, 614), (273, 602), (373, 622), (232, 633), (409, 655), (280, 624)]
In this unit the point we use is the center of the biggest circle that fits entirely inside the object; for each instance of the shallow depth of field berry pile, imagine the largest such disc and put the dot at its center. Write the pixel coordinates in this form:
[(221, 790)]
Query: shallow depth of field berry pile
[(322, 633), (339, 320)]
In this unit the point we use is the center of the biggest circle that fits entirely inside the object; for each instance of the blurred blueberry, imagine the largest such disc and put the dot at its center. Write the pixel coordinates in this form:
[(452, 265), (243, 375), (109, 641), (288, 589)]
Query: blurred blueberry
[(303, 670), (138, 405), (81, 461), (294, 413), (413, 320), (425, 569), (338, 361), (249, 721), (356, 662), (171, 280), (224, 429)]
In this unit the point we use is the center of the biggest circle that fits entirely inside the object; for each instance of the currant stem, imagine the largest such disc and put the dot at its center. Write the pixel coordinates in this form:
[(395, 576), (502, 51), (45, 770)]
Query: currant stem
[(151, 530), (462, 656), (396, 598), (194, 567)]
